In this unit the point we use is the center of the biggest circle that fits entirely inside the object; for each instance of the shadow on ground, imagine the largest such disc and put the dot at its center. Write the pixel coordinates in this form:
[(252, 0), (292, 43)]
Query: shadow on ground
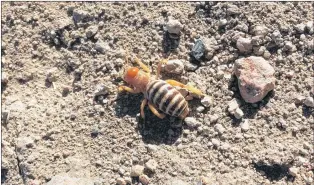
[(273, 172), (152, 129)]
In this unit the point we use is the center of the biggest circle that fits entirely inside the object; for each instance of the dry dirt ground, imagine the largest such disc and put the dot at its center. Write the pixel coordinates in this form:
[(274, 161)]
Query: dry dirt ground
[(58, 129)]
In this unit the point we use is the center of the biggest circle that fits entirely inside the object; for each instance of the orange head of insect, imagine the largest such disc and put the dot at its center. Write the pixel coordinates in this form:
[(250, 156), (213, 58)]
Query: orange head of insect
[(131, 73)]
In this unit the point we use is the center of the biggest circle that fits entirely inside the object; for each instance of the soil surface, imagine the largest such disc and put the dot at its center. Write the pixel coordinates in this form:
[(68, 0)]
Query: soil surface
[(62, 117)]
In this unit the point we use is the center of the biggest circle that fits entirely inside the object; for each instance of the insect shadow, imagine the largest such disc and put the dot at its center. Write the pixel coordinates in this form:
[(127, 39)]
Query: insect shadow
[(152, 129), (170, 43)]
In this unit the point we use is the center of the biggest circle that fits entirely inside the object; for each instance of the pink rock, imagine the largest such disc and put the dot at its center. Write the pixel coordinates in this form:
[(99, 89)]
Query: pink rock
[(255, 78)]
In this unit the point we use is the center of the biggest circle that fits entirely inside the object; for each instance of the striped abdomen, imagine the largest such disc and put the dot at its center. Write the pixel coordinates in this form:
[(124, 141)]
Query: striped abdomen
[(166, 98)]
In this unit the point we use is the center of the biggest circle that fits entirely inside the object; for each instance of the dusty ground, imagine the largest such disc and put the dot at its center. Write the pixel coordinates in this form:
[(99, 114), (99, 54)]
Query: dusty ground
[(58, 129)]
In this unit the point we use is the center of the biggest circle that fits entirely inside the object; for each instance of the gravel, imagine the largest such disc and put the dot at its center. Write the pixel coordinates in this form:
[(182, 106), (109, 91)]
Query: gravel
[(86, 43)]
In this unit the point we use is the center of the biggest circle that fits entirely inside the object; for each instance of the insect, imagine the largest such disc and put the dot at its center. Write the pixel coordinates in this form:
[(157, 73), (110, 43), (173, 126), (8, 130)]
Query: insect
[(161, 96)]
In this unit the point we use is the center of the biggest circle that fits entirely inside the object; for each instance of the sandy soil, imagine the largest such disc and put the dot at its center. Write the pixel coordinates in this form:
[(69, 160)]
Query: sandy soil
[(57, 130)]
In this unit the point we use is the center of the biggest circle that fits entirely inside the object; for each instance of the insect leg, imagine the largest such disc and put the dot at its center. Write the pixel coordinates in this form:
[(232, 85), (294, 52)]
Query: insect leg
[(128, 89), (155, 111), (142, 65), (144, 102), (190, 88)]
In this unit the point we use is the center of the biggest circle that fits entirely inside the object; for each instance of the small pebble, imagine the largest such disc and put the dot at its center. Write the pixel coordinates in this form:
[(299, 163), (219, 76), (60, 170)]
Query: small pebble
[(4, 78), (137, 170), (293, 171), (52, 75), (245, 125), (200, 109), (219, 128), (174, 66), (309, 101), (151, 165), (91, 31), (215, 142), (238, 113), (244, 44), (144, 179), (121, 181), (213, 118), (191, 122), (174, 26), (207, 101)]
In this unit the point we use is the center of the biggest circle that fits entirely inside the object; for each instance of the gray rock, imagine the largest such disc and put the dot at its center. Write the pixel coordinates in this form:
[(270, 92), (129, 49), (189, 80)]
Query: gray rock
[(309, 101), (67, 180), (198, 49), (255, 78), (244, 45), (174, 26), (174, 66), (222, 22), (91, 31), (213, 118), (137, 170)]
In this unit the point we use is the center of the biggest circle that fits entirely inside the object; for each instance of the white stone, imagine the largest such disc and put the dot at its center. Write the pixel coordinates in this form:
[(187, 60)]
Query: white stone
[(244, 44), (245, 125), (137, 170), (174, 26), (309, 101), (219, 128), (233, 105), (174, 66), (300, 27), (191, 122), (151, 165), (238, 113), (293, 171), (207, 101), (200, 109), (215, 142)]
